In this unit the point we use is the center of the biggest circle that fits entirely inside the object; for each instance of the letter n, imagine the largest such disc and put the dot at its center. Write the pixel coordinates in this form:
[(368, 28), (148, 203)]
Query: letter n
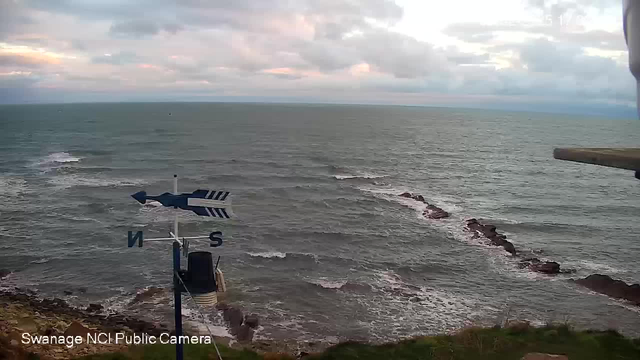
[(134, 239)]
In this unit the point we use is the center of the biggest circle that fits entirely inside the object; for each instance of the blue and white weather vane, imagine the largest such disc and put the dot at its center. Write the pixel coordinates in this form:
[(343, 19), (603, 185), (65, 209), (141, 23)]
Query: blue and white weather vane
[(210, 203)]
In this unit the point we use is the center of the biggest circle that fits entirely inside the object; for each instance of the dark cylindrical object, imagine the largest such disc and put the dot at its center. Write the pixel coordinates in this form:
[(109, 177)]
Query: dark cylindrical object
[(201, 273)]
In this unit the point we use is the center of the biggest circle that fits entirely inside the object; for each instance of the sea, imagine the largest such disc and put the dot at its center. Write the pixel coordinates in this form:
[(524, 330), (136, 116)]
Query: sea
[(321, 246)]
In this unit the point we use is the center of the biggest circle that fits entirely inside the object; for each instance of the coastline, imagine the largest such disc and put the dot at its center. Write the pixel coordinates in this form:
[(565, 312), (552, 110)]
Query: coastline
[(22, 311)]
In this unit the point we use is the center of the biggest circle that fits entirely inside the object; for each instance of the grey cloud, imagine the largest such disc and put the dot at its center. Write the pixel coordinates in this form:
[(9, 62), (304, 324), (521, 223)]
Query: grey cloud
[(398, 54), (14, 17), (120, 58), (483, 34), (134, 28)]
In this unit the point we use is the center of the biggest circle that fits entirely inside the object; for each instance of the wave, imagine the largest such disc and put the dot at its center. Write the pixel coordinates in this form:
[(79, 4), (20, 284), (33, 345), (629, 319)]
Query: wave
[(68, 181), (269, 254), (328, 284), (41, 261), (363, 176), (58, 158), (593, 266)]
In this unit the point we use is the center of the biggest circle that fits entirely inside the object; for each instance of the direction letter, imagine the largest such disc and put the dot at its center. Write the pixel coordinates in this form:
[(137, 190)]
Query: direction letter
[(216, 238), (133, 239)]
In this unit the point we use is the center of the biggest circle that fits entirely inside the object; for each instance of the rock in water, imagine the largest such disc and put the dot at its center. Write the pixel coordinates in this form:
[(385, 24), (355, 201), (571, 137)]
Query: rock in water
[(615, 288), (94, 308), (434, 212), (407, 195), (234, 317), (245, 333), (252, 321)]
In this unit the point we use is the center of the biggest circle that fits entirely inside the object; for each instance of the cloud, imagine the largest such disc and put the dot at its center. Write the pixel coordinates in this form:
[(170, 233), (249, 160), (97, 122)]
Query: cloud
[(288, 49), (135, 28), (120, 58), (29, 60)]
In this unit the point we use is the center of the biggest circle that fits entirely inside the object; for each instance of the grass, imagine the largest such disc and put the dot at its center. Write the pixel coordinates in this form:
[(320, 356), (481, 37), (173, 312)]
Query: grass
[(495, 343)]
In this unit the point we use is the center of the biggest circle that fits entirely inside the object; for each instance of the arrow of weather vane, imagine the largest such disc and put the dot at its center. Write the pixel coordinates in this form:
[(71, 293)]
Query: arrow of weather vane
[(202, 202)]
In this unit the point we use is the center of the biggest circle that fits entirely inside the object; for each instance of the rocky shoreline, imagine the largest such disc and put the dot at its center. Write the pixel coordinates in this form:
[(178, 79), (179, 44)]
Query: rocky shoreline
[(603, 284), (23, 311)]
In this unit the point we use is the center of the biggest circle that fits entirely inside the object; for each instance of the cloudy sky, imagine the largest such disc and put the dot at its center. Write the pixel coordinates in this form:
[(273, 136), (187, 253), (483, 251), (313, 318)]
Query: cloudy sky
[(540, 54)]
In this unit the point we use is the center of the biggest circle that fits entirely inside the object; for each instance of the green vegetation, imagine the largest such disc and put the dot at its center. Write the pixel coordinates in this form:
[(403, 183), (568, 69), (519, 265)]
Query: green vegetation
[(470, 344)]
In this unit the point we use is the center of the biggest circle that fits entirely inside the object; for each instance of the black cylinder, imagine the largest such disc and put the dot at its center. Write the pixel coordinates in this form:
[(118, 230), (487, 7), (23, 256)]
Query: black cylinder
[(202, 279)]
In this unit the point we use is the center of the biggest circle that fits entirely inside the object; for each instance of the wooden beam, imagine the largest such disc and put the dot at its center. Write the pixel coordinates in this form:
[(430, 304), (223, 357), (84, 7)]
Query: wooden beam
[(620, 158)]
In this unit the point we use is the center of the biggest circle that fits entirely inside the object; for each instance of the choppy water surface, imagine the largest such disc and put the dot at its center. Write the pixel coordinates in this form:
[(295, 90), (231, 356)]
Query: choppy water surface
[(322, 247)]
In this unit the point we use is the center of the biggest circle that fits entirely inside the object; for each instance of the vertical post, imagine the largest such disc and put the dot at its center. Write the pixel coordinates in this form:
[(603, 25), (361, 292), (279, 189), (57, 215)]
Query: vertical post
[(175, 219), (177, 300)]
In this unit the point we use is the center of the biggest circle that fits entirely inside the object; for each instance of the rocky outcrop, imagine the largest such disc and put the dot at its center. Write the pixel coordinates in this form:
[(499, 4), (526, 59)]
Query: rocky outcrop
[(490, 233), (245, 333), (617, 289), (252, 320), (432, 211), (94, 308), (544, 267), (240, 325), (25, 312)]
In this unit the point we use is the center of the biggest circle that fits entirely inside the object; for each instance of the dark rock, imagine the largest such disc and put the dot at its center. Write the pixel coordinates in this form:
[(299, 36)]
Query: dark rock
[(509, 247), (303, 354), (252, 321), (415, 299), (146, 295), (4, 273), (94, 308), (419, 198), (615, 288), (434, 212), (67, 292), (547, 267), (245, 333), (233, 316), (407, 195), (489, 231)]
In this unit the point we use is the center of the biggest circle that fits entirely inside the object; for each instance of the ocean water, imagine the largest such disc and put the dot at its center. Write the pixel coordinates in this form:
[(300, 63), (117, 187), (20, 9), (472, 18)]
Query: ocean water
[(321, 247)]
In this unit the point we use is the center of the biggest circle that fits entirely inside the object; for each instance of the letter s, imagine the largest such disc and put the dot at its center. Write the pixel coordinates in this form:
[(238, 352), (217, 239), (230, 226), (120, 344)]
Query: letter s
[(216, 238), (25, 338)]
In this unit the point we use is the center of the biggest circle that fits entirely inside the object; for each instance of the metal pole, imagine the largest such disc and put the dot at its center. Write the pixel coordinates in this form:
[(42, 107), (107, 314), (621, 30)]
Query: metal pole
[(177, 300), (175, 220)]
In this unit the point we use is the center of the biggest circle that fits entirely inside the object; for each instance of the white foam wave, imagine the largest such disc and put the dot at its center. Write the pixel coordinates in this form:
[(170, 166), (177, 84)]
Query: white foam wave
[(431, 309), (152, 204), (593, 266), (40, 261), (362, 176), (327, 283), (269, 254), (58, 158), (68, 181)]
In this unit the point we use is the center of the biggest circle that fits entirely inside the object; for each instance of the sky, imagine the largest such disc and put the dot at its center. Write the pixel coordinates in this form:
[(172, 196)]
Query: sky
[(563, 55)]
